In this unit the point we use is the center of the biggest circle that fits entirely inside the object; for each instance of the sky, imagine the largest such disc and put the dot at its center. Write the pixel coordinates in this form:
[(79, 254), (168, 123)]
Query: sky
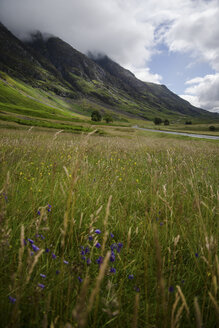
[(171, 42)]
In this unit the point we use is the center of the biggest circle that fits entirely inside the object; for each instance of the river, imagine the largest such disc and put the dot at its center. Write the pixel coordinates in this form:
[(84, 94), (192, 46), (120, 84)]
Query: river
[(202, 136)]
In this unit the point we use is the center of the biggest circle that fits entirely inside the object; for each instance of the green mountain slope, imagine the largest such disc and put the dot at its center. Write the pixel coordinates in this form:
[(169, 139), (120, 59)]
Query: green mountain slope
[(49, 76)]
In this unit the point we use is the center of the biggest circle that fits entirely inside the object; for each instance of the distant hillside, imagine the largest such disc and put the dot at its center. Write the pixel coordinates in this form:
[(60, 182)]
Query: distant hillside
[(67, 77)]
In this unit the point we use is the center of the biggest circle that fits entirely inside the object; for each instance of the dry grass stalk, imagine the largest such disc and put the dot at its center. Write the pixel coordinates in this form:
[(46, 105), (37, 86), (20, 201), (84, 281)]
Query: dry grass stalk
[(174, 309), (183, 300), (198, 315), (136, 307), (98, 281), (36, 258), (79, 312), (107, 211), (215, 303)]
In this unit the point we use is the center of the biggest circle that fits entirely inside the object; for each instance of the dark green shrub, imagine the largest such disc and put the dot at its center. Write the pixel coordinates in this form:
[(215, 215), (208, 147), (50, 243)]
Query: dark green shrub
[(166, 122), (157, 121), (212, 128), (96, 116)]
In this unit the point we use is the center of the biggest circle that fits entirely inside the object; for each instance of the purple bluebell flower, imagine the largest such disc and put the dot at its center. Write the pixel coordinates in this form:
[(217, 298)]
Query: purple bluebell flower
[(54, 256), (49, 206), (99, 260), (88, 261), (113, 246), (12, 299), (25, 243), (112, 235), (41, 286), (112, 270), (97, 231), (90, 238), (97, 245), (82, 252), (171, 289), (35, 248), (37, 236), (30, 240), (83, 258), (42, 237), (31, 253), (57, 272), (42, 275), (120, 245), (196, 254), (47, 250), (112, 257), (80, 279), (137, 289), (130, 276), (38, 212), (49, 210), (66, 262), (87, 250)]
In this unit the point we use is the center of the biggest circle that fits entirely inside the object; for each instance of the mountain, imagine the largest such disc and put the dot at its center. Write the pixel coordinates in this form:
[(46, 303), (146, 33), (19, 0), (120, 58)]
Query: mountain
[(67, 79)]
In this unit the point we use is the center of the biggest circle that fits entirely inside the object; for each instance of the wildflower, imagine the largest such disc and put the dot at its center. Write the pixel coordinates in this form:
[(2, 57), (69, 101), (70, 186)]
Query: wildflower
[(100, 260), (90, 238), (38, 212), (112, 270), (25, 243), (80, 279), (66, 262), (88, 261), (196, 254), (12, 299), (35, 248), (171, 289), (137, 289), (82, 252), (47, 250), (97, 245), (112, 257), (130, 276), (37, 236), (42, 237), (57, 271), (112, 235), (30, 240), (41, 286), (87, 250), (120, 245), (54, 256), (83, 258), (97, 231), (113, 246), (42, 275), (31, 253)]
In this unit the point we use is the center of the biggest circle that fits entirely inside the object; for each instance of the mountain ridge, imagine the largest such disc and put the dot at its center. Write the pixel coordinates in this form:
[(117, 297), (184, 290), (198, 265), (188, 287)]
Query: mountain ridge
[(55, 66)]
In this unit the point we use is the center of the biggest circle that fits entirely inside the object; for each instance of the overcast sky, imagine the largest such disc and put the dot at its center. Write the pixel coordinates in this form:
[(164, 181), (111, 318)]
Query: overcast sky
[(173, 42)]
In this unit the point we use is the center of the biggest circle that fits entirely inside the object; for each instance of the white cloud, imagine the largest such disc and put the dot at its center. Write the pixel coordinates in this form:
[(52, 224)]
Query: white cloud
[(203, 92), (145, 75)]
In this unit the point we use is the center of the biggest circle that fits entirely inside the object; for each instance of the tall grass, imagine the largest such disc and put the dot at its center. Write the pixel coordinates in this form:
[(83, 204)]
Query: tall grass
[(108, 232)]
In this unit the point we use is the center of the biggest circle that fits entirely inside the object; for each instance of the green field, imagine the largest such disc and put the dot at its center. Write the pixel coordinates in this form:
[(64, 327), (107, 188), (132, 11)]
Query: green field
[(154, 262)]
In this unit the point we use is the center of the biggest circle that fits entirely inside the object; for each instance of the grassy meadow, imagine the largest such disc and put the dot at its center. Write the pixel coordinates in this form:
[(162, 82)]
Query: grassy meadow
[(108, 231)]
